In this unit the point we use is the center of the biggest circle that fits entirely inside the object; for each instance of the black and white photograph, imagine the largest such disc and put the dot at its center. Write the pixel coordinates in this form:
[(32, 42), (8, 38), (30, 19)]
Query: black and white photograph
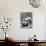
[(26, 19)]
